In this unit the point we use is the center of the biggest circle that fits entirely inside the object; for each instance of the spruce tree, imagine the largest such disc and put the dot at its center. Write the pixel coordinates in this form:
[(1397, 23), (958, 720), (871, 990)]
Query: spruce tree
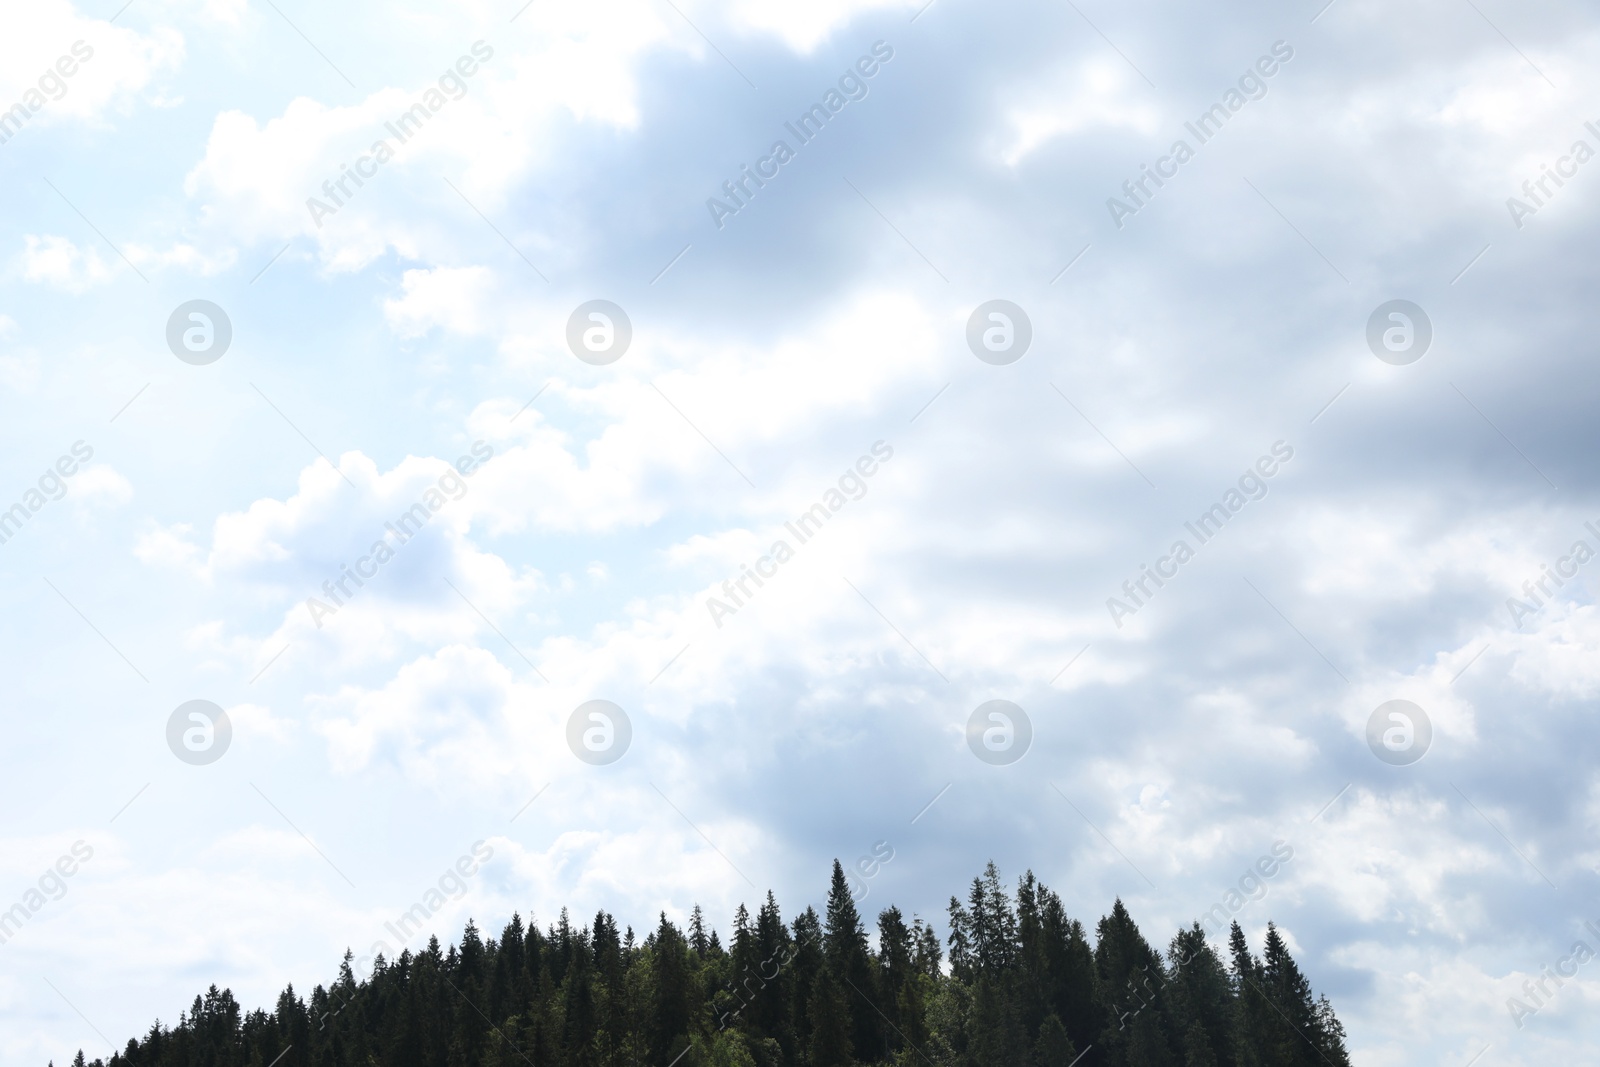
[(674, 994), (809, 968), (1251, 1009), (961, 962), (896, 981), (1201, 1001), (1054, 1048), (698, 941), (1296, 1032), (829, 1029), (1130, 980), (845, 944)]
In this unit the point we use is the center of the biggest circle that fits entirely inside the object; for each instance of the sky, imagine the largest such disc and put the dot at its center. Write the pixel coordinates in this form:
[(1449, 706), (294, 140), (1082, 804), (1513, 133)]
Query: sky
[(553, 383)]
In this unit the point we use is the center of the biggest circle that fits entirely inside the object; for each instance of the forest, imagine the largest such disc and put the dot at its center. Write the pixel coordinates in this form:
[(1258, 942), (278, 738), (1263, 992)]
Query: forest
[(1015, 982)]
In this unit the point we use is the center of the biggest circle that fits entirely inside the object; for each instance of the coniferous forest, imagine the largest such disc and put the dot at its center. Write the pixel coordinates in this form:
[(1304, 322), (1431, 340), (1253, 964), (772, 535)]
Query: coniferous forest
[(1015, 983)]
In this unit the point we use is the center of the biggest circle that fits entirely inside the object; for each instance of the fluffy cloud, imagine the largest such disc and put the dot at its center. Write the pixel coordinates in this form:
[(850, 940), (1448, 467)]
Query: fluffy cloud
[(487, 130), (1168, 753), (58, 261), (109, 63)]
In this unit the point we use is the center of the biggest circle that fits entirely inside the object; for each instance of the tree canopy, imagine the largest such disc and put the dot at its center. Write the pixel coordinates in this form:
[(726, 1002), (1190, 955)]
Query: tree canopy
[(1014, 983)]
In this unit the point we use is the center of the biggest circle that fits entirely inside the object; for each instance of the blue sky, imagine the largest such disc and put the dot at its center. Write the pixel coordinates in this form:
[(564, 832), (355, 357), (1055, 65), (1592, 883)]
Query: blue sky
[(1391, 154)]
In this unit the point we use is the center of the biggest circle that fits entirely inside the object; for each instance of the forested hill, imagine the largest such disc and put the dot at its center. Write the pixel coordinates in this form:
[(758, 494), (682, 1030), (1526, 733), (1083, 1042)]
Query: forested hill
[(1016, 983)]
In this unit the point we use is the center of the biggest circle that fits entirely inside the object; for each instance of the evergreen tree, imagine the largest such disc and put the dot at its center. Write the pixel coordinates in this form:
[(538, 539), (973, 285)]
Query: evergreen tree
[(770, 1014), (1054, 1048), (1295, 1032), (1250, 1007), (896, 975), (808, 966), (960, 941), (1200, 1000), (1072, 970), (1025, 988), (1130, 979), (845, 945), (829, 1027), (698, 941), (674, 995)]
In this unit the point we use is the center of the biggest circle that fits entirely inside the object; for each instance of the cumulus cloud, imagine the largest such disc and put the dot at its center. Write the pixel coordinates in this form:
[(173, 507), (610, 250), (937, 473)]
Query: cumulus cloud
[(581, 558), (453, 298), (484, 130), (62, 64)]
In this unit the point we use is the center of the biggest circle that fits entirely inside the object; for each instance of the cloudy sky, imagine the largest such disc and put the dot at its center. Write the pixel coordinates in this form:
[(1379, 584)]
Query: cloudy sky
[(185, 481)]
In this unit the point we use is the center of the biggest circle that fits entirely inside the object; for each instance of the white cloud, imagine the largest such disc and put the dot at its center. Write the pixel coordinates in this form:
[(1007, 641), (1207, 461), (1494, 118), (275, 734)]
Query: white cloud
[(804, 26), (1102, 93), (257, 178), (447, 720), (455, 298), (593, 538), (251, 721), (169, 546), (110, 63), (300, 553), (100, 484), (19, 372), (59, 262), (1561, 656)]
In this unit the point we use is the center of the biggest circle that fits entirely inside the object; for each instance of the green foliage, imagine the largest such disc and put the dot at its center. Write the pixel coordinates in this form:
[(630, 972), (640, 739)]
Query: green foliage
[(1023, 987)]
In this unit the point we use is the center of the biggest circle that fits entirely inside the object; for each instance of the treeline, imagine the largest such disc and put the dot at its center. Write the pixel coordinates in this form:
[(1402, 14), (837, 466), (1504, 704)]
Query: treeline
[(1016, 983)]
